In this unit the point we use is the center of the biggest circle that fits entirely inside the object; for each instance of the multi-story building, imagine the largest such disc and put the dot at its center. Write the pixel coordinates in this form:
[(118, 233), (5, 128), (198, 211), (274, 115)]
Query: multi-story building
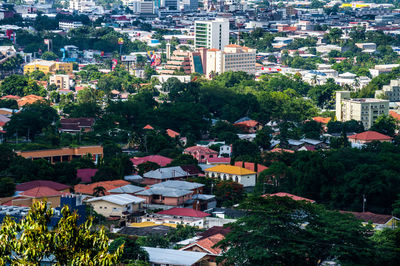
[(61, 81), (190, 5), (188, 62), (140, 6), (48, 66), (232, 58), (365, 110), (390, 92), (81, 5), (212, 34), (68, 25), (170, 4)]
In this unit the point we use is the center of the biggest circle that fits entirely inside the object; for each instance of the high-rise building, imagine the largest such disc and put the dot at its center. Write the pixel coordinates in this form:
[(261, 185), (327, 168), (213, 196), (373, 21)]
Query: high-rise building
[(390, 92), (365, 110), (232, 58), (185, 61), (190, 5), (170, 4), (212, 34)]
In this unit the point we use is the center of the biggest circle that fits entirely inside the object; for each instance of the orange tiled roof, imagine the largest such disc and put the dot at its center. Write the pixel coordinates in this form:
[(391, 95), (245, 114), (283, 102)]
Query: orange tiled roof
[(247, 123), (148, 127), (40, 192), (280, 150), (251, 166), (370, 136), (233, 46), (207, 244), (322, 120), (108, 185), (172, 133), (283, 194), (394, 115)]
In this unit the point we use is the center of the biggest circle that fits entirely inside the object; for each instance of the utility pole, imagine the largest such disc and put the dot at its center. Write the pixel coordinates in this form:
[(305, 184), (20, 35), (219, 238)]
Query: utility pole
[(364, 201)]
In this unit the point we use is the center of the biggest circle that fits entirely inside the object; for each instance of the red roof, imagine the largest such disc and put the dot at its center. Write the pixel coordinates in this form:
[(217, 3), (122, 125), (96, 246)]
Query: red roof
[(158, 159), (86, 174), (148, 127), (214, 230), (11, 97), (219, 160), (40, 192), (251, 166), (200, 149), (280, 150), (369, 216), (247, 123), (394, 115), (184, 212), (207, 244), (172, 133), (41, 183), (108, 185), (370, 136), (283, 194), (322, 120)]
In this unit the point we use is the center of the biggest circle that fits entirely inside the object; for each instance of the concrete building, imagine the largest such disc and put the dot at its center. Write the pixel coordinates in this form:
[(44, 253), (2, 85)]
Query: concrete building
[(120, 205), (237, 174), (82, 5), (64, 154), (365, 110), (48, 66), (68, 25), (170, 4), (212, 34), (232, 58), (61, 81), (188, 62), (140, 6), (390, 92)]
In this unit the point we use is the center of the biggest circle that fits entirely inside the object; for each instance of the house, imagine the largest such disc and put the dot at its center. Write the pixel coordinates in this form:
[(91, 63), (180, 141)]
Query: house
[(158, 159), (86, 174), (251, 166), (42, 183), (76, 125), (207, 245), (164, 174), (201, 154), (196, 188), (293, 197), (64, 154), (173, 257), (237, 174), (219, 160), (89, 189), (121, 205), (249, 126), (379, 221), (165, 196), (201, 202), (225, 150), (186, 216), (368, 136), (39, 193), (146, 230), (172, 134)]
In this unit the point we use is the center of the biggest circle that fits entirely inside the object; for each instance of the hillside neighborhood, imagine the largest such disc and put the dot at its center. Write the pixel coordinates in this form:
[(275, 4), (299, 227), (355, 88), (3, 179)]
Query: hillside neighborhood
[(215, 132)]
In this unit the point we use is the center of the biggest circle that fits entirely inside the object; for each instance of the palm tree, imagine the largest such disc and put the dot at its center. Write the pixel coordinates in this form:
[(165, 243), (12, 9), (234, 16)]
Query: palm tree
[(99, 190)]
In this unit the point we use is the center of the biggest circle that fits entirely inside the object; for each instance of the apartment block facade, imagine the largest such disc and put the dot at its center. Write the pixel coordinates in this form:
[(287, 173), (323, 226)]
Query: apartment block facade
[(390, 92), (366, 110), (212, 34)]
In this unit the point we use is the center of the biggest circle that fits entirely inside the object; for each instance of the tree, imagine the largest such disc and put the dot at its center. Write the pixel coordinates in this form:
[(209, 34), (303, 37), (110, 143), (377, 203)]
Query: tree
[(264, 137), (32, 120), (184, 159), (387, 243), (385, 124), (48, 55), (147, 166), (131, 249), (29, 241), (21, 86), (7, 187), (281, 231), (312, 129), (99, 191), (228, 193)]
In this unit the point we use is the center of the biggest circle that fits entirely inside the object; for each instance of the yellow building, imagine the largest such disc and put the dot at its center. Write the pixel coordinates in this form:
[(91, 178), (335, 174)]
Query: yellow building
[(237, 174), (48, 66)]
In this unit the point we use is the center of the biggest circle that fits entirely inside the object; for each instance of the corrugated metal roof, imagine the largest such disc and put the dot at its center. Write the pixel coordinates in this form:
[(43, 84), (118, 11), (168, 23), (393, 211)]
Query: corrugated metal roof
[(120, 199)]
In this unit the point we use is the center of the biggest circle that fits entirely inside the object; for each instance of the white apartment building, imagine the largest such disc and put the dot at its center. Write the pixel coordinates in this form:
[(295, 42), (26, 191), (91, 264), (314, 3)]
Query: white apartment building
[(232, 58), (140, 6), (61, 81), (365, 110), (390, 92), (67, 25), (82, 5), (212, 34)]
